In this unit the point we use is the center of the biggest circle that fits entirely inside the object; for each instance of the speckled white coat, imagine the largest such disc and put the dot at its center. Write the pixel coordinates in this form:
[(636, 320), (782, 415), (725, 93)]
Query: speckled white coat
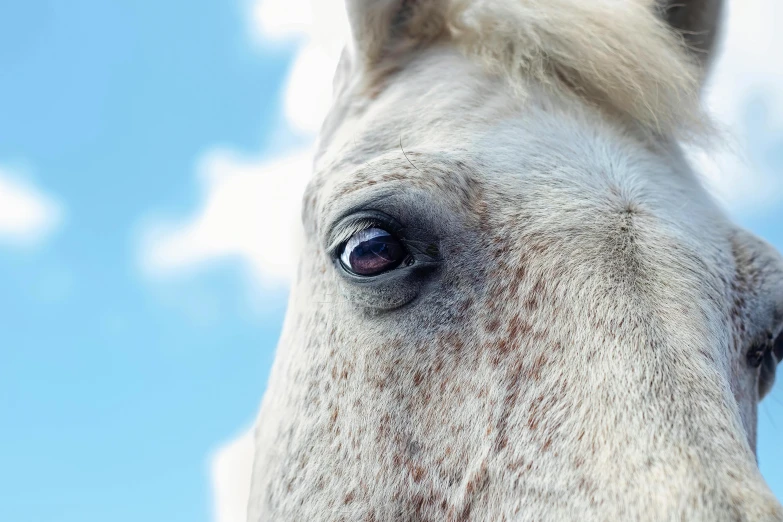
[(576, 338)]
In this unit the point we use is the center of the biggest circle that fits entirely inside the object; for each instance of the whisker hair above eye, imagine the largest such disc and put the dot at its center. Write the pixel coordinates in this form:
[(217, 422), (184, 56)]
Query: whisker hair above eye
[(406, 155)]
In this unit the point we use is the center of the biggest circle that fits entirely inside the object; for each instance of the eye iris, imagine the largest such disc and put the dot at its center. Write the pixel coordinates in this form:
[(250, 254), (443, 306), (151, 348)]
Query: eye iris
[(372, 251)]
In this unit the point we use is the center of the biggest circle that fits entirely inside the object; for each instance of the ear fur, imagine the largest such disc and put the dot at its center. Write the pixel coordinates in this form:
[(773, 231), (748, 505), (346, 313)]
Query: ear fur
[(698, 21), (383, 28), (386, 29)]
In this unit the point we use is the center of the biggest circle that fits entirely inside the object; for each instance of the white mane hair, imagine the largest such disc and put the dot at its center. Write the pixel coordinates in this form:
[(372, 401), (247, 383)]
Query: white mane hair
[(618, 54)]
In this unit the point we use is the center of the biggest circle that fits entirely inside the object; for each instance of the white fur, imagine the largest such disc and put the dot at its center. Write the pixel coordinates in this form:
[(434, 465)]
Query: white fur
[(615, 52), (580, 351)]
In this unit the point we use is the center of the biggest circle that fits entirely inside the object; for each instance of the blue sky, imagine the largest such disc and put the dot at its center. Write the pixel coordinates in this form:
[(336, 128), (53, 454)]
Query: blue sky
[(121, 372), (113, 390)]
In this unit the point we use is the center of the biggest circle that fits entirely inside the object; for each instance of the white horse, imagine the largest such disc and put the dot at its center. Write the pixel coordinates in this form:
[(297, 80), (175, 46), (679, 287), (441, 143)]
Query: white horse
[(515, 301)]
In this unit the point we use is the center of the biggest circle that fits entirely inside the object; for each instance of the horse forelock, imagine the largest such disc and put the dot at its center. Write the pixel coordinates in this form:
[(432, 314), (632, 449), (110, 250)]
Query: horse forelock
[(620, 55)]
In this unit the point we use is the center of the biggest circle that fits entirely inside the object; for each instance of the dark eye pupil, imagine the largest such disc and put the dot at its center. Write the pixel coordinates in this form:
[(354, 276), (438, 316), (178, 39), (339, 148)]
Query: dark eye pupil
[(372, 251)]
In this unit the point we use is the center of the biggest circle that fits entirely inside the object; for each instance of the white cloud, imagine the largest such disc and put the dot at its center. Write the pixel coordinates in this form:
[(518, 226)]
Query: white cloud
[(250, 206), (27, 215), (749, 70), (308, 89), (321, 21), (321, 27), (231, 467), (278, 20), (250, 212), (750, 63)]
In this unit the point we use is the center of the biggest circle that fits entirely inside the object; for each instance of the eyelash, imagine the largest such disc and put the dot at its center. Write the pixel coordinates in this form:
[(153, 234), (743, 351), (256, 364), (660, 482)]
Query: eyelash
[(361, 223), (356, 228)]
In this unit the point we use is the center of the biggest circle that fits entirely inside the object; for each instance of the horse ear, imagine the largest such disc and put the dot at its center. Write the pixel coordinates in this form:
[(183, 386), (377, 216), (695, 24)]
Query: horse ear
[(385, 30), (698, 21)]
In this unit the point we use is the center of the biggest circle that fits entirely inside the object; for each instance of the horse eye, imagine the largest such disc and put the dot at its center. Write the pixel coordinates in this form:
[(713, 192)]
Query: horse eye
[(770, 349), (372, 251), (769, 361), (757, 353)]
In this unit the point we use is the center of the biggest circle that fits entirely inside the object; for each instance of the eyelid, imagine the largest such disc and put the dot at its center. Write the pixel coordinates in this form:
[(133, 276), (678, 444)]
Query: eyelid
[(346, 233), (342, 232)]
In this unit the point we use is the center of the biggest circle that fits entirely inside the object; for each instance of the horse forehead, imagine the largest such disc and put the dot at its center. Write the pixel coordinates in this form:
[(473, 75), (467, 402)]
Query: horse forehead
[(445, 110), (440, 97), (523, 164), (463, 138)]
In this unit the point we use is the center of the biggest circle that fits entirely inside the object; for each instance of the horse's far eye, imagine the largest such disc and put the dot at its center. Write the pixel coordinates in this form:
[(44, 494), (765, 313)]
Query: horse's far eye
[(769, 349), (757, 353), (372, 251), (768, 362)]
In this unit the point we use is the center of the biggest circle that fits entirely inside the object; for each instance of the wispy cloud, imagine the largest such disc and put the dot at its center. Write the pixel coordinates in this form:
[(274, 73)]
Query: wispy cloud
[(231, 467), (27, 215), (250, 206), (249, 212), (321, 29), (748, 75)]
